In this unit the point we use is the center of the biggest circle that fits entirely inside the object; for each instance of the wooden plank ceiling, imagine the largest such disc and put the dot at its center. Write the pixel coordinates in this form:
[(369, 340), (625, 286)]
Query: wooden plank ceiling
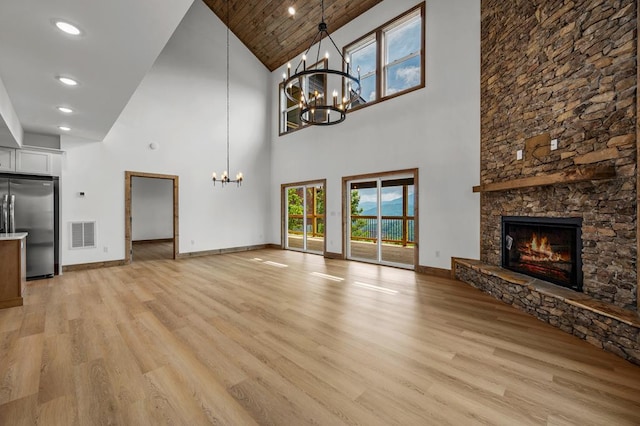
[(274, 36)]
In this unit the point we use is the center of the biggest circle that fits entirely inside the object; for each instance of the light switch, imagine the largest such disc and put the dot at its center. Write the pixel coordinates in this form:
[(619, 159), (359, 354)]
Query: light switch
[(519, 155)]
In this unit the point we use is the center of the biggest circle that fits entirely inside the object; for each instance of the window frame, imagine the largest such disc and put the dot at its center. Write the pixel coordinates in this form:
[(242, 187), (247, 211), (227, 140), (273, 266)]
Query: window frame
[(378, 36), (362, 43), (283, 110)]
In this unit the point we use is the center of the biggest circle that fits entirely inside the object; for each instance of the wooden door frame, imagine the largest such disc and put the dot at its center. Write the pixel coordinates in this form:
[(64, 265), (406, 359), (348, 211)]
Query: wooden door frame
[(346, 208), (128, 238), (283, 207)]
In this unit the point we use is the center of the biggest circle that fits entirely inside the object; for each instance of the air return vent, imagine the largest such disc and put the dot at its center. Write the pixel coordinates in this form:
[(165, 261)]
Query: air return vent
[(83, 235)]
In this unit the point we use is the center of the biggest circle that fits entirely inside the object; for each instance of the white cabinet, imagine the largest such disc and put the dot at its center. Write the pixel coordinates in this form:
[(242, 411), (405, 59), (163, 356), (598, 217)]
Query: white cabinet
[(38, 162), (7, 159), (35, 161)]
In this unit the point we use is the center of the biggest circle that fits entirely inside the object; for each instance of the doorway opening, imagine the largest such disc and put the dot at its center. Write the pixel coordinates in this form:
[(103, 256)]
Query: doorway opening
[(303, 214), (155, 236), (381, 215)]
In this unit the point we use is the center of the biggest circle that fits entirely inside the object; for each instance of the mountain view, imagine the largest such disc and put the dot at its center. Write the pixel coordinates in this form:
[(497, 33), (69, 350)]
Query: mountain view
[(391, 228), (389, 208)]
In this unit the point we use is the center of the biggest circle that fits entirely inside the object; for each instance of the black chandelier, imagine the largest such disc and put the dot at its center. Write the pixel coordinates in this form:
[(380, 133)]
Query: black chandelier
[(315, 106), (224, 178)]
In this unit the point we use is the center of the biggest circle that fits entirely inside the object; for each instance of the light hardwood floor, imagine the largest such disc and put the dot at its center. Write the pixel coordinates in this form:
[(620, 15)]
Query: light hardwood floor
[(240, 339), (363, 250), (148, 250)]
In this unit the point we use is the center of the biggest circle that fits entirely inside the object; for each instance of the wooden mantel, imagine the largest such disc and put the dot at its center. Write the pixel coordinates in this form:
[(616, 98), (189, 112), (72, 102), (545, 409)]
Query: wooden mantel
[(581, 174)]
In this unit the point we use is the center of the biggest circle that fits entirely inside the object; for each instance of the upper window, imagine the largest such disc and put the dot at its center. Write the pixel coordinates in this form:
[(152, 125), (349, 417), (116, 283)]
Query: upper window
[(312, 86), (390, 58)]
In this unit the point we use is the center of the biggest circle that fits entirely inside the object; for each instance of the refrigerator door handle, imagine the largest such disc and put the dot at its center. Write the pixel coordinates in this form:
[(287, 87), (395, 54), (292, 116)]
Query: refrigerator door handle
[(3, 213), (12, 216)]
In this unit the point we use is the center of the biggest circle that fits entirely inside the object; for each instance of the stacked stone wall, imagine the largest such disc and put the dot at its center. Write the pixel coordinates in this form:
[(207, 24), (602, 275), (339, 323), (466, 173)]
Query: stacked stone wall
[(567, 69)]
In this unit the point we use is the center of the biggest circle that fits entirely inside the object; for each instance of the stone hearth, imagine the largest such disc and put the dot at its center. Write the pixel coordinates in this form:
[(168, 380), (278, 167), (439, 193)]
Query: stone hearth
[(604, 325)]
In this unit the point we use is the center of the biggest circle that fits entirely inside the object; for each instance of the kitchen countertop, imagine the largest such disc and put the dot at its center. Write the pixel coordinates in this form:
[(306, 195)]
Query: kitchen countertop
[(13, 236)]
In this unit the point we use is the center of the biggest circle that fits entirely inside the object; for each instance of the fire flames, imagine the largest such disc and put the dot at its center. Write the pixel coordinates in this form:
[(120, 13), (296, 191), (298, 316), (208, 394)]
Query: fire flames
[(539, 250)]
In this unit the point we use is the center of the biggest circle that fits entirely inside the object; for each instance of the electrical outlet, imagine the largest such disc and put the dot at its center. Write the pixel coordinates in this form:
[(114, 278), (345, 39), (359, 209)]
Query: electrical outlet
[(105, 249), (554, 144), (519, 155), (192, 242), (437, 253)]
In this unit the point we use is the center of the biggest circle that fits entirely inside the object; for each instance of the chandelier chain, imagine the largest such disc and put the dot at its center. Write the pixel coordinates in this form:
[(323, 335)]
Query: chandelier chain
[(228, 92), (225, 179), (316, 104)]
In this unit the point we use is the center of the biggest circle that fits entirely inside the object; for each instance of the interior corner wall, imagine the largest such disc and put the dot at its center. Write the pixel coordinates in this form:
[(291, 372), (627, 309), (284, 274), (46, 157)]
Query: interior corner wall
[(435, 129), (151, 208), (11, 132), (181, 107)]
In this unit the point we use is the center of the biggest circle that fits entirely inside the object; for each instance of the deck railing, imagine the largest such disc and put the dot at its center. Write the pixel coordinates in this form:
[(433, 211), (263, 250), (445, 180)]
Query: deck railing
[(315, 224), (394, 229)]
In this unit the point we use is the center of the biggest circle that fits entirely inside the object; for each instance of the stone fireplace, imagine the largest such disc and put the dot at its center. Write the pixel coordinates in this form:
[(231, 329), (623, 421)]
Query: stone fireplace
[(570, 76), (546, 248), (559, 126)]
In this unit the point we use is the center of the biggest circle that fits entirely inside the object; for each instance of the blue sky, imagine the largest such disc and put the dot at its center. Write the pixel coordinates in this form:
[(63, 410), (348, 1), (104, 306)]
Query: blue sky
[(390, 193), (401, 41)]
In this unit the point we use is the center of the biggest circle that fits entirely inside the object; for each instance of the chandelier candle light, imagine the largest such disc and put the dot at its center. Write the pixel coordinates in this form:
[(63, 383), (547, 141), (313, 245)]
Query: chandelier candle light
[(224, 178), (316, 108)]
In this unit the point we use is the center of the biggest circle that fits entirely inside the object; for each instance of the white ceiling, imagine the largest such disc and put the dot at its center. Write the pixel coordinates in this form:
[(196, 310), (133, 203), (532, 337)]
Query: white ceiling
[(121, 39)]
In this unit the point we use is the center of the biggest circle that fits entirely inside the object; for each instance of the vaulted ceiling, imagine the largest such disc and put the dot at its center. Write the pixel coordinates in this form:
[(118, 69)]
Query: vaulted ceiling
[(274, 36), (112, 55)]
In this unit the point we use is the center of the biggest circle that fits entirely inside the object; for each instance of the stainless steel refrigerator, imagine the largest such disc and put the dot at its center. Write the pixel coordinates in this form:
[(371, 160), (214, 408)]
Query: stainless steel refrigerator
[(28, 205)]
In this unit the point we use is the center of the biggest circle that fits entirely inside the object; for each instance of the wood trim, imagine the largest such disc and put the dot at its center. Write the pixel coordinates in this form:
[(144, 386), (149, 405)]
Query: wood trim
[(283, 206), (336, 256), (381, 174), (176, 217), (598, 172), (222, 251), (283, 218), (12, 270), (416, 216), (436, 272), (416, 226), (11, 303), (159, 240), (273, 246), (128, 243), (377, 33), (94, 265)]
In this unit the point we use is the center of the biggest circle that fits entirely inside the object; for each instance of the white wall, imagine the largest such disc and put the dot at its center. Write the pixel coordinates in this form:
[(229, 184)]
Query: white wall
[(42, 141), (180, 105), (11, 132), (151, 208), (436, 129)]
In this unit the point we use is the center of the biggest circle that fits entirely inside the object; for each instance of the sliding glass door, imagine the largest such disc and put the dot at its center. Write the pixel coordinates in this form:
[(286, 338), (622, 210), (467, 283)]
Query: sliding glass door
[(304, 217), (381, 224)]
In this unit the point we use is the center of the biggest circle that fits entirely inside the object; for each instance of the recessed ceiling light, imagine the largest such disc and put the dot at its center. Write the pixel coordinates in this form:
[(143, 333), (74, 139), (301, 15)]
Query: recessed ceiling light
[(64, 128), (68, 81), (65, 110), (67, 27), (292, 10)]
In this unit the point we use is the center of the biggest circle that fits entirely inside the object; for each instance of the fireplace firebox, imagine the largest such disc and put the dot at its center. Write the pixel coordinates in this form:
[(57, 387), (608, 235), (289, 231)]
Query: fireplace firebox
[(545, 248)]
